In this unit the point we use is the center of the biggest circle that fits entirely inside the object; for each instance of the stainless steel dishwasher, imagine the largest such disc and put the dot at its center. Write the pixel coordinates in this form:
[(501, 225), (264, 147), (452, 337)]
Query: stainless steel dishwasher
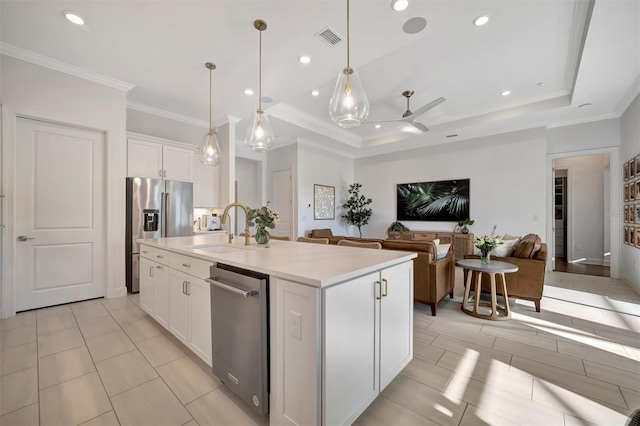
[(240, 333)]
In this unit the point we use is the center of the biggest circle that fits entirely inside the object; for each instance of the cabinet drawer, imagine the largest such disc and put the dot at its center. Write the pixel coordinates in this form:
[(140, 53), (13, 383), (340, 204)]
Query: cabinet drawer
[(190, 265), (157, 255)]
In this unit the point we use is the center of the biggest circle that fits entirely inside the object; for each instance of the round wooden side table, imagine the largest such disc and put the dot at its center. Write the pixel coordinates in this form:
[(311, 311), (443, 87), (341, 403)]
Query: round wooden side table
[(477, 268)]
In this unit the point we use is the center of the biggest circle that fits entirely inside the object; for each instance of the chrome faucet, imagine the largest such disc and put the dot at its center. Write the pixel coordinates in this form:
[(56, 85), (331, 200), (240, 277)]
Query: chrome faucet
[(247, 235)]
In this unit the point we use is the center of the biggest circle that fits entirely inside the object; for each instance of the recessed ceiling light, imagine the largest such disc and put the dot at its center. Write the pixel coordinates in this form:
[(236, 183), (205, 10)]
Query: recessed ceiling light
[(314, 93), (74, 18), (506, 93), (399, 5), (248, 91), (588, 104), (479, 21), (414, 25), (267, 100), (304, 59), (377, 126)]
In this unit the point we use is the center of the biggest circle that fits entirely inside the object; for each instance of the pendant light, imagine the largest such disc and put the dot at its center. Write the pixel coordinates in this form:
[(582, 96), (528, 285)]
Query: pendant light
[(259, 136), (209, 152), (349, 105)]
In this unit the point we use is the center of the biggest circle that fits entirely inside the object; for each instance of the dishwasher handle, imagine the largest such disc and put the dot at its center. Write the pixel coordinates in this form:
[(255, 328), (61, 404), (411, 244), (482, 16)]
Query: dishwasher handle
[(232, 289)]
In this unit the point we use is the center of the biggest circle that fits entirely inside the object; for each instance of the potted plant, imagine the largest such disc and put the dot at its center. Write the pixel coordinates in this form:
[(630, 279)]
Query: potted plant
[(397, 227), (357, 213), (262, 218), (464, 224)]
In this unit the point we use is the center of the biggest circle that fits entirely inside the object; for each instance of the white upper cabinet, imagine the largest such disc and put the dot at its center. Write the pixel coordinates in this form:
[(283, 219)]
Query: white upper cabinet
[(157, 160)]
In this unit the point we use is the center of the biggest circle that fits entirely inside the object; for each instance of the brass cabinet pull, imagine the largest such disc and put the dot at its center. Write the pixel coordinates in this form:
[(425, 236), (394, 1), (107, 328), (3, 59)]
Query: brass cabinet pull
[(379, 296), (164, 173), (151, 271), (159, 267), (184, 286), (188, 288), (159, 256), (386, 287), (186, 265), (160, 172)]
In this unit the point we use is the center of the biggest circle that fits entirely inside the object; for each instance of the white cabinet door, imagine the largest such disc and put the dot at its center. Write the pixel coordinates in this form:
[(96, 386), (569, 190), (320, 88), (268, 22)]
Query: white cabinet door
[(147, 285), (396, 321), (351, 348), (206, 185), (161, 311), (179, 305), (144, 159), (200, 318), (177, 163)]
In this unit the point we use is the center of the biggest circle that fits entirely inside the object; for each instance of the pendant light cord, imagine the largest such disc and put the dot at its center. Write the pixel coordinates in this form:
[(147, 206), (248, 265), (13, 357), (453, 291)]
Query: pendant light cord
[(210, 116), (348, 64), (260, 75)]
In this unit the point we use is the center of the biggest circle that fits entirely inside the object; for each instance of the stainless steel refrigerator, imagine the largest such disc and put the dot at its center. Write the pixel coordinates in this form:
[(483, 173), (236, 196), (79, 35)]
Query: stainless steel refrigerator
[(155, 209)]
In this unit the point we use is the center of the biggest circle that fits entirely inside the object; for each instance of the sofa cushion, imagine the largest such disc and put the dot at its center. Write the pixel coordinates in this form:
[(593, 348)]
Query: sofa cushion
[(505, 249), (528, 246), (416, 246), (325, 232), (510, 237)]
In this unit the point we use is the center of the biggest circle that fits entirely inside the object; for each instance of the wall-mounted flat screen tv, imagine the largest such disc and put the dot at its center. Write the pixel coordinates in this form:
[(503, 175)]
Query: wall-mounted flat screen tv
[(442, 201)]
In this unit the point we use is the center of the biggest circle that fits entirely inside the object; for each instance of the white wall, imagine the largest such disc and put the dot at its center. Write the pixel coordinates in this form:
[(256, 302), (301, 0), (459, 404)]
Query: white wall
[(585, 198), (323, 168), (249, 186), (507, 187), (41, 93), (161, 127), (630, 146), (583, 137)]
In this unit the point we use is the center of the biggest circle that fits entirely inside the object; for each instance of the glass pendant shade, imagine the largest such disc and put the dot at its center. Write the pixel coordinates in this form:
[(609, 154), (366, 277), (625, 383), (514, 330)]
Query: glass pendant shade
[(349, 105), (259, 136), (209, 152)]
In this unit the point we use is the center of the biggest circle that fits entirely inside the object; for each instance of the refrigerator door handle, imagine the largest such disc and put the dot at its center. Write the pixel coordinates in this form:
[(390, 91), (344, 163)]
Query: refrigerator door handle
[(165, 232)]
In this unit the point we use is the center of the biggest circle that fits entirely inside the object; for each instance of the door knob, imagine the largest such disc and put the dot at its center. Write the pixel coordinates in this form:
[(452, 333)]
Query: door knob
[(23, 238)]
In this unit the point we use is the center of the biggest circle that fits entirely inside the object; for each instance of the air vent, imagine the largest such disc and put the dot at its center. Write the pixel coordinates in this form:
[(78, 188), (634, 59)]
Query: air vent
[(329, 36)]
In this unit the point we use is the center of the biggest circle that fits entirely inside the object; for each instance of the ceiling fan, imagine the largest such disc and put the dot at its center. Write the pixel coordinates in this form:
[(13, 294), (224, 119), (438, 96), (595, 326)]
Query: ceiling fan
[(409, 117)]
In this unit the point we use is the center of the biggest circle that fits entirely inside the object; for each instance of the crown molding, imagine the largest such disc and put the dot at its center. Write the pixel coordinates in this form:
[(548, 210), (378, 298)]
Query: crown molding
[(582, 13), (585, 120), (54, 64), (306, 121), (628, 97), (227, 119)]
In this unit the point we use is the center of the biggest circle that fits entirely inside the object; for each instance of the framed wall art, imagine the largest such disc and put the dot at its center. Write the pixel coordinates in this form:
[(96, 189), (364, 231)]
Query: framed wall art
[(631, 203), (324, 202), (445, 200)]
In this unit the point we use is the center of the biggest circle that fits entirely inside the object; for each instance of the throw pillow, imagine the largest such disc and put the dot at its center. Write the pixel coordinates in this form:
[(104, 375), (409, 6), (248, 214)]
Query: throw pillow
[(510, 237), (442, 250), (436, 241), (506, 249), (528, 246)]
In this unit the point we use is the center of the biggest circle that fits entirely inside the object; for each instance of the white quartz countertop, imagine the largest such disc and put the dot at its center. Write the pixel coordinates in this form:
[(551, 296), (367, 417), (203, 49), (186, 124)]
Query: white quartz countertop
[(316, 265)]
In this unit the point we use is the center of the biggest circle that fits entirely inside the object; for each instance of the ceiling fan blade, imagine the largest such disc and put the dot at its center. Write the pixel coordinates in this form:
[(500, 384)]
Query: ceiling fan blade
[(400, 120), (419, 126), (427, 107)]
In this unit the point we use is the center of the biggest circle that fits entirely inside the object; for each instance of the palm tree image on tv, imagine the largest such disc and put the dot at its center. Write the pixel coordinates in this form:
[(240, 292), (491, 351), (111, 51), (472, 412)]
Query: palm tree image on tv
[(446, 200)]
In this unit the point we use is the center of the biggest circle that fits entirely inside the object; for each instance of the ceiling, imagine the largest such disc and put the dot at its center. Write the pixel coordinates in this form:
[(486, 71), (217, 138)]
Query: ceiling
[(553, 56)]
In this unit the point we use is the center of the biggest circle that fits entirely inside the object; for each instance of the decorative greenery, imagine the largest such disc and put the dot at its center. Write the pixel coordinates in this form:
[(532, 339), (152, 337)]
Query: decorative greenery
[(464, 224), (357, 212), (263, 217), (486, 243), (442, 200), (396, 226)]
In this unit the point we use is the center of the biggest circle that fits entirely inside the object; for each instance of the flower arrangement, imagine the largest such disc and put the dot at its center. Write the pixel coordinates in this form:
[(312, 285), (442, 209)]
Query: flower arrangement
[(263, 217), (486, 243)]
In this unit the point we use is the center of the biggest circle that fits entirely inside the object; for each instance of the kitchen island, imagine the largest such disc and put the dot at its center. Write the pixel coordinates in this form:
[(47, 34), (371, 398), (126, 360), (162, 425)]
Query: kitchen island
[(353, 312)]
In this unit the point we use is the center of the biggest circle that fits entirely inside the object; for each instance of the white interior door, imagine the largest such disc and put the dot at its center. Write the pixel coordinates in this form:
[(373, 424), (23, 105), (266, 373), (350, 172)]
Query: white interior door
[(59, 219), (282, 202)]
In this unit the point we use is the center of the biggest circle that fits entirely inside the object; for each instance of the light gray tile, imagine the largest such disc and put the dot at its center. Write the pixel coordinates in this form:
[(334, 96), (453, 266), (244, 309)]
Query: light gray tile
[(59, 341), (544, 356), (528, 337), (21, 319), (427, 352), (109, 345), (600, 356), (53, 311), (74, 401), (18, 358), (428, 374), (98, 326), (465, 332), (117, 303), (474, 416), (631, 397), (160, 350), (56, 323), (423, 335), (142, 329), (386, 412), (150, 404), (27, 416), (570, 420), (89, 311), (610, 374), (125, 315), (106, 419), (63, 366), (18, 336), (424, 401), (124, 372), (221, 408), (187, 380), (18, 390), (191, 423), (586, 407), (577, 383), (461, 347)]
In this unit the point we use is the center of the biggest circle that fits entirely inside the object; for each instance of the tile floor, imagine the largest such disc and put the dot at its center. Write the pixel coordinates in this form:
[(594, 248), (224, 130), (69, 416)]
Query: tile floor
[(105, 362)]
